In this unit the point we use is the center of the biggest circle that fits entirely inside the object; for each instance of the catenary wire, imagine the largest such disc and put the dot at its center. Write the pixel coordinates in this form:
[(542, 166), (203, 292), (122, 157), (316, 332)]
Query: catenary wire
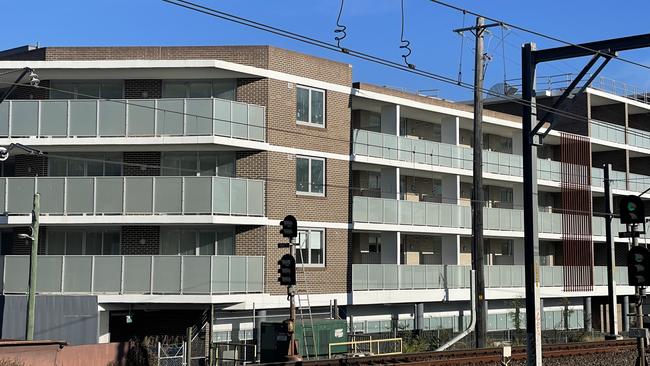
[(136, 104), (367, 57), (336, 187), (540, 34), (414, 153)]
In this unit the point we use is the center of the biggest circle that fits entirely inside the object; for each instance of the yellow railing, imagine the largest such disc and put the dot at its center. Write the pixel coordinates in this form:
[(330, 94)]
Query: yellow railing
[(374, 346)]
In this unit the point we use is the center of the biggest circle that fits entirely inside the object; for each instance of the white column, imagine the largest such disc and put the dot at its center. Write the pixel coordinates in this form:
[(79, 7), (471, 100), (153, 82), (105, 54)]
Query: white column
[(518, 196), (390, 116), (450, 249), (449, 130), (390, 247), (390, 182), (517, 144), (518, 251), (103, 336)]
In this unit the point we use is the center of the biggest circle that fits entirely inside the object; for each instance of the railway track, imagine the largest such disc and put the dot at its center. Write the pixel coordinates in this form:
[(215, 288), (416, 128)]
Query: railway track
[(491, 356)]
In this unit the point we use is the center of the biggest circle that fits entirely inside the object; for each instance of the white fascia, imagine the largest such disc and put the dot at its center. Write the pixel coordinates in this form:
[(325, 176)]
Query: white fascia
[(237, 301), (60, 143), (442, 295), (173, 64)]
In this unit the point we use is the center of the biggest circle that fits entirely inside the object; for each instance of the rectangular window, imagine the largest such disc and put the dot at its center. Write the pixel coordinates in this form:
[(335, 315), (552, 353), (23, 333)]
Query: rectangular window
[(197, 242), (219, 88), (310, 106), (110, 89), (86, 165), (310, 175), (86, 242), (311, 247), (199, 163)]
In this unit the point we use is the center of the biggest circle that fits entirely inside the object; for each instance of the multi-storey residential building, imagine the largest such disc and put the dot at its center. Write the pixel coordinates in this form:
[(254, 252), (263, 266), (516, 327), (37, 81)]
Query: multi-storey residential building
[(166, 170)]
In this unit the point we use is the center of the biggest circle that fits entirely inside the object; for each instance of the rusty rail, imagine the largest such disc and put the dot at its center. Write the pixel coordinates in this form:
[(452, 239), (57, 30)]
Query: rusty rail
[(483, 356)]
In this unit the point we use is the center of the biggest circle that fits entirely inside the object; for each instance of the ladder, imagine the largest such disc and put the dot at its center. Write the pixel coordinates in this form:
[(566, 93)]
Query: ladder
[(306, 335)]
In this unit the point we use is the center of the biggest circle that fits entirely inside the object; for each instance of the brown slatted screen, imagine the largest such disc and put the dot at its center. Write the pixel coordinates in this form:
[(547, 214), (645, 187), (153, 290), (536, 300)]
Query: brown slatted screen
[(576, 213)]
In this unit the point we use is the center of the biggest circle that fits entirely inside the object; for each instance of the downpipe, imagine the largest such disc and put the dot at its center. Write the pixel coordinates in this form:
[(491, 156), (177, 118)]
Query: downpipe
[(472, 323)]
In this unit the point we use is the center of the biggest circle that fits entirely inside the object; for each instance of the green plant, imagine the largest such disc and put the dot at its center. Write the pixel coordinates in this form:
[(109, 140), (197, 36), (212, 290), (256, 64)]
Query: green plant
[(566, 312), (515, 317), (7, 362)]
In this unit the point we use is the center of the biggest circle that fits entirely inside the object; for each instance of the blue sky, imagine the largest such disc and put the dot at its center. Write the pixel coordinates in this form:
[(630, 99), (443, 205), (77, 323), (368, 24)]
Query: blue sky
[(373, 27)]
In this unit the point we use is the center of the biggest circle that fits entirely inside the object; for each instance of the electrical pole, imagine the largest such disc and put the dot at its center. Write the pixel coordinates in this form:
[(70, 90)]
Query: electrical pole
[(611, 255), (477, 172), (533, 136), (640, 295), (31, 299), (531, 241)]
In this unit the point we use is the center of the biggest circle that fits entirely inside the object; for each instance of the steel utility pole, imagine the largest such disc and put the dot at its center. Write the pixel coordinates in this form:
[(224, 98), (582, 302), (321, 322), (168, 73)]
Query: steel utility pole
[(532, 137), (611, 255), (640, 295), (31, 300), (477, 173)]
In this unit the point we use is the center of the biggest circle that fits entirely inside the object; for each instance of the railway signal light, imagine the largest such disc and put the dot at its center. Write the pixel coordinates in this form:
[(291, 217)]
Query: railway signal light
[(287, 270), (289, 227), (632, 210), (638, 266)]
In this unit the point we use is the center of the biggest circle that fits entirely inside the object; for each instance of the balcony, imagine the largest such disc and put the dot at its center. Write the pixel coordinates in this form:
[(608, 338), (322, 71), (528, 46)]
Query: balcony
[(619, 134), (132, 118), (372, 277), (386, 146), (134, 196), (430, 214), (144, 275)]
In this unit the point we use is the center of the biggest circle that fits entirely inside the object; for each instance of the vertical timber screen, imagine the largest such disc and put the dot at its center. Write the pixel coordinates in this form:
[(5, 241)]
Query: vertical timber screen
[(576, 213)]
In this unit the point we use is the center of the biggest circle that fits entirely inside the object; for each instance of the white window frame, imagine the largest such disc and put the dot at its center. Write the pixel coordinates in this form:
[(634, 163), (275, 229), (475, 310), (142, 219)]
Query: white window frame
[(324, 248), (310, 123), (310, 193)]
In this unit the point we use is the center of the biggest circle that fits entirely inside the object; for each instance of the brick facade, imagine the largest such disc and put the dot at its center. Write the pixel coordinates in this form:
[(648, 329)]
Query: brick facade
[(22, 246), (142, 89), (250, 240), (140, 240), (31, 165), (278, 169), (30, 92), (141, 163)]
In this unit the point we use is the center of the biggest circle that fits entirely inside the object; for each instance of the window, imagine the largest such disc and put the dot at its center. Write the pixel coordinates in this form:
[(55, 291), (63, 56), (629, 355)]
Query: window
[(310, 106), (87, 242), (197, 242), (86, 165), (311, 247), (199, 163), (86, 89), (221, 88), (310, 175)]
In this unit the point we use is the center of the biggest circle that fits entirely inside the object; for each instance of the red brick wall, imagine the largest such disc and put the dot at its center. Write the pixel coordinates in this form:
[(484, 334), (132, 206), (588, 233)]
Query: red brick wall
[(141, 163), (132, 235)]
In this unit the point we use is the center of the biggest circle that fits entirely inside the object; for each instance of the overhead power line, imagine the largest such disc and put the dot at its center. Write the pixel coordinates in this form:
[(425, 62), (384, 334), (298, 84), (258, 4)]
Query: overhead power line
[(540, 34), (364, 56)]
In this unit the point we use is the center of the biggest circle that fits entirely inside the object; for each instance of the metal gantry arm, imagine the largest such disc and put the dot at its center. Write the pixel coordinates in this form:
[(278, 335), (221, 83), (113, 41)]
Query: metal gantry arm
[(530, 130)]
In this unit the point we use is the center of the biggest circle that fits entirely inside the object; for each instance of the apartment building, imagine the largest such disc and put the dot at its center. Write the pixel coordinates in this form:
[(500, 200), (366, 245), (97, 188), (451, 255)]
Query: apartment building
[(166, 170)]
